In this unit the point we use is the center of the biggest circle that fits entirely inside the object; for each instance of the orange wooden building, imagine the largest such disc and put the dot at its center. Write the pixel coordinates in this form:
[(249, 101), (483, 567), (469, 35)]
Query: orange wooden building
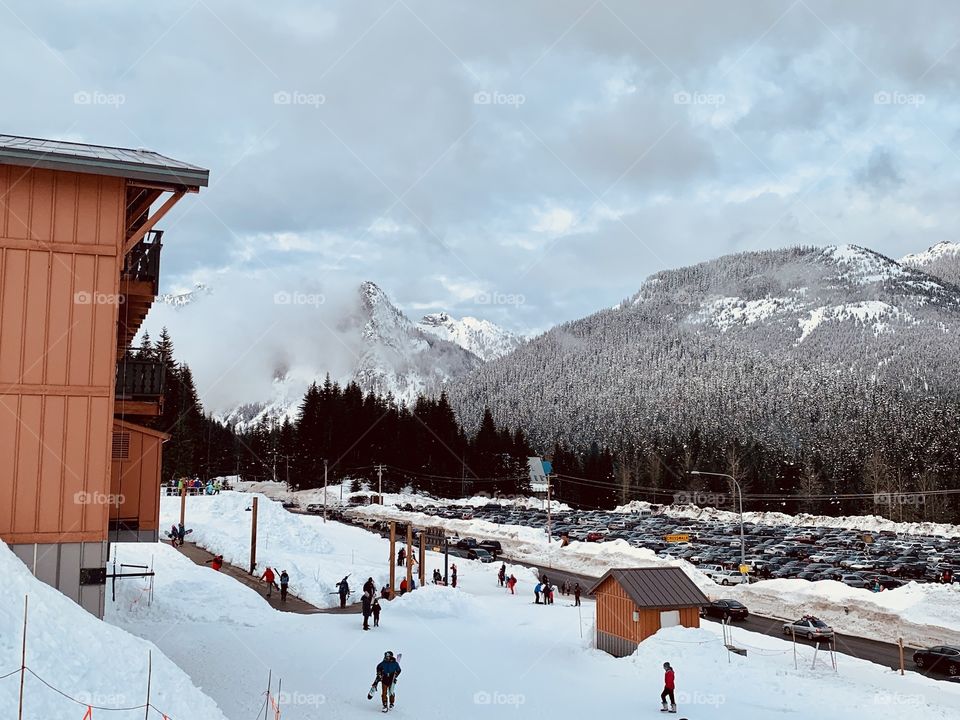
[(634, 603), (79, 269)]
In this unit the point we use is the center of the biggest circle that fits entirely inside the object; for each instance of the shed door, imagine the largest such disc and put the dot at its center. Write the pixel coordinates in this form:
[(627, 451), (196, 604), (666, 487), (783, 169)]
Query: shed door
[(669, 618)]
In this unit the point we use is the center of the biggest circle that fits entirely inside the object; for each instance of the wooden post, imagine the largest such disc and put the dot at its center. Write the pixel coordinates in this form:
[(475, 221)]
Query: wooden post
[(253, 538), (900, 645), (266, 705), (183, 504), (393, 559), (23, 656), (409, 556), (146, 710), (279, 698), (423, 557)]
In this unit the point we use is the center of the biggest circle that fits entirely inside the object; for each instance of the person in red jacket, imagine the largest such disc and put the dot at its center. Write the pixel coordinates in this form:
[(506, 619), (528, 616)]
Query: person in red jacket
[(668, 687), (268, 578)]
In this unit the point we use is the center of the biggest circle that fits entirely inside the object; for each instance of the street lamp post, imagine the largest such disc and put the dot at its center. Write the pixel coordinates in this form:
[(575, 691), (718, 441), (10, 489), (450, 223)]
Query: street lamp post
[(743, 546)]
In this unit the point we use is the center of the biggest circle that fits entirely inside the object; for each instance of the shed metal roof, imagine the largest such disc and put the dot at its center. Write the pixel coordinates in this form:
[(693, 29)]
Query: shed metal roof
[(667, 587), (136, 164)]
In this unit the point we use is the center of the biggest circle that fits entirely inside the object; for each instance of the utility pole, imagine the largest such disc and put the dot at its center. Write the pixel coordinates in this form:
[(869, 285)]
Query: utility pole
[(253, 537), (380, 483), (324, 489), (549, 513)]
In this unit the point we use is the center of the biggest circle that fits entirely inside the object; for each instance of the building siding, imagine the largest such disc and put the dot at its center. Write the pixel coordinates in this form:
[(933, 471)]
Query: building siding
[(615, 619), (60, 234)]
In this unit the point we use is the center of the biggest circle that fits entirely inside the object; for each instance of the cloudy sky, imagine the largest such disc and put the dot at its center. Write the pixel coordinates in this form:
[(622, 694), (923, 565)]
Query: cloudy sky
[(525, 162)]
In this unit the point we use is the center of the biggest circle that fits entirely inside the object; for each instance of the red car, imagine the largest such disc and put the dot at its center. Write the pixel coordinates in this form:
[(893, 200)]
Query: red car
[(594, 537)]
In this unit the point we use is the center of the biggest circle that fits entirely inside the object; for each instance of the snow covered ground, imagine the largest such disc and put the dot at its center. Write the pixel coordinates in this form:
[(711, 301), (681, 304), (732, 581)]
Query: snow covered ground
[(478, 652), (92, 661)]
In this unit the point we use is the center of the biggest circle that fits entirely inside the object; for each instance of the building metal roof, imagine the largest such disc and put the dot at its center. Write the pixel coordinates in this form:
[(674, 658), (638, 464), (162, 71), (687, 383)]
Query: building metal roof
[(660, 587), (135, 164)]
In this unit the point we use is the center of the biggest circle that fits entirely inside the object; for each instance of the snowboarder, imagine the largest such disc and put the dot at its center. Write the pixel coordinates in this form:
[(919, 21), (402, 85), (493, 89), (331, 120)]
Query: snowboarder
[(668, 687), (376, 612), (536, 592), (401, 556), (453, 575), (284, 584), (512, 583), (343, 588), (387, 673), (576, 595), (268, 577), (216, 562), (366, 603), (502, 575)]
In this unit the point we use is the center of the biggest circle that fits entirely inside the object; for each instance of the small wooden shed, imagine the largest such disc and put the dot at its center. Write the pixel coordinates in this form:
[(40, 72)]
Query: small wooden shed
[(634, 603)]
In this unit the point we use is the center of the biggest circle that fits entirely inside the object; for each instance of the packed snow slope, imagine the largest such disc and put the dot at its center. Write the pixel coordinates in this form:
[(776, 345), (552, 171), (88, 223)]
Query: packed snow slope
[(821, 348), (476, 652), (89, 660)]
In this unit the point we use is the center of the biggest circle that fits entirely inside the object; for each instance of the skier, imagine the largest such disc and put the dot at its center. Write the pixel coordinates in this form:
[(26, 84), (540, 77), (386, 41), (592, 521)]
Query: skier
[(502, 575), (268, 578), (512, 583), (668, 687), (216, 562), (453, 575), (376, 612), (343, 588), (387, 673), (536, 592), (284, 583), (367, 608), (576, 595)]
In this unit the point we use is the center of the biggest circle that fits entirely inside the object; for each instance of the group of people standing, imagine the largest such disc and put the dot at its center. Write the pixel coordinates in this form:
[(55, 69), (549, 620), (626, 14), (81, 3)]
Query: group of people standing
[(370, 604), (270, 578), (508, 582)]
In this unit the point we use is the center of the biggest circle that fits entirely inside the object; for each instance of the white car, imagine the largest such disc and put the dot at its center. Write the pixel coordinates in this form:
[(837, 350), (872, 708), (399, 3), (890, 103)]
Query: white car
[(730, 577)]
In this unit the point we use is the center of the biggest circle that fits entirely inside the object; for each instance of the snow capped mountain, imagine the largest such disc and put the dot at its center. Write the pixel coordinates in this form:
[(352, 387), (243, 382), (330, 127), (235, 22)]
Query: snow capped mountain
[(391, 355), (481, 337), (182, 299), (942, 260), (777, 347)]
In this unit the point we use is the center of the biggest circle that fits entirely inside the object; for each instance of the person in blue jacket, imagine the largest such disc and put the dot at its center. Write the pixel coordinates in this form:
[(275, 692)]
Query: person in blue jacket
[(388, 670)]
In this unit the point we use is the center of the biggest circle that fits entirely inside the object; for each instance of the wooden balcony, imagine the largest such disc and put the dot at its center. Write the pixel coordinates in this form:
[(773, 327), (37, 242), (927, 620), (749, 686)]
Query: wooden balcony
[(139, 385), (139, 282)]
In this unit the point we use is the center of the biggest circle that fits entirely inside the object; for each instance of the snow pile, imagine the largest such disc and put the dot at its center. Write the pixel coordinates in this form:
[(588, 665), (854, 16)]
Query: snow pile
[(83, 657), (296, 543), (921, 614), (873, 523), (434, 601)]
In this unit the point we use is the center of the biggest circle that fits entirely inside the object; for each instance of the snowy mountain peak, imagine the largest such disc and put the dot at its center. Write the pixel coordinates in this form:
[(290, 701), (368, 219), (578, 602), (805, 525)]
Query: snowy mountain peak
[(480, 337), (942, 261)]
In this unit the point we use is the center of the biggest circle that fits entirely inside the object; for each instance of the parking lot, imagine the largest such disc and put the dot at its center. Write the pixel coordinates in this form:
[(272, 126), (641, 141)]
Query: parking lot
[(872, 560)]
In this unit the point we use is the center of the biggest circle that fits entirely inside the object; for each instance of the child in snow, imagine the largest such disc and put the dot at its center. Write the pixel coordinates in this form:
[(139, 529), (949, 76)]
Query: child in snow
[(376, 612), (536, 592), (512, 583), (387, 673), (284, 582), (668, 687), (216, 562)]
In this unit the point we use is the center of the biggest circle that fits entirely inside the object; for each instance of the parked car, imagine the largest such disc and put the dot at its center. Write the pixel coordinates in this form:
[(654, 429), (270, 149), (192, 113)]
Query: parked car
[(809, 627), (467, 543), (940, 658), (315, 508), (289, 505), (594, 536), (731, 577), (479, 554), (492, 546), (725, 610)]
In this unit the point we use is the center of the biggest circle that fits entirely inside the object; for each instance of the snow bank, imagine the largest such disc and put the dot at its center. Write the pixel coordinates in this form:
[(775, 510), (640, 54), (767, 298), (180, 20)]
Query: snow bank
[(433, 601), (873, 523), (83, 657), (922, 615)]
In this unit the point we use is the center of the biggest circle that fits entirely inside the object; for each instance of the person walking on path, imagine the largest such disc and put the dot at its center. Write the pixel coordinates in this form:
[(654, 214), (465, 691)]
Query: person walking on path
[(216, 562), (512, 583), (536, 592), (376, 612), (453, 575), (367, 608), (401, 556), (502, 575), (284, 584), (269, 578), (576, 595), (343, 588), (668, 688), (387, 673)]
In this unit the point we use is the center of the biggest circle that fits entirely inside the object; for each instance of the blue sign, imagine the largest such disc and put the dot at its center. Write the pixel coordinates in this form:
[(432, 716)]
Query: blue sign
[(547, 467)]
